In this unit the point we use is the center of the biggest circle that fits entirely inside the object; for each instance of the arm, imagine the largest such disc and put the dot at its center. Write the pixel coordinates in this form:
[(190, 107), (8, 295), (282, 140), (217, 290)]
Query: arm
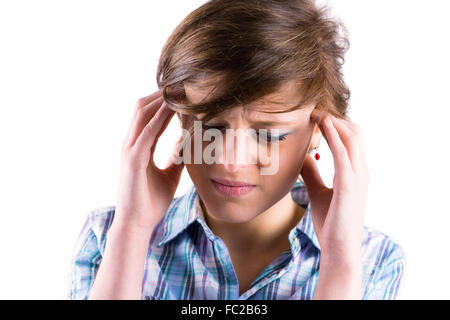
[(338, 213), (122, 268), (145, 193), (339, 278)]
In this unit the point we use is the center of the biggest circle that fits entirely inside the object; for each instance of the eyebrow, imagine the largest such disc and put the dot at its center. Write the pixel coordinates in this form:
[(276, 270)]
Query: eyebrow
[(272, 123), (268, 123)]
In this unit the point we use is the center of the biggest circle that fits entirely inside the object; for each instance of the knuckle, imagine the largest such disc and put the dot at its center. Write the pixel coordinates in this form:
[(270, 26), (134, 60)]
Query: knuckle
[(141, 102), (140, 112), (149, 128), (143, 116)]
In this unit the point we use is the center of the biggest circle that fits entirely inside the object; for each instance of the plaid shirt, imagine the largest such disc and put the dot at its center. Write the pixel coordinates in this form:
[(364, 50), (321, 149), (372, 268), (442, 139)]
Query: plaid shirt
[(185, 260)]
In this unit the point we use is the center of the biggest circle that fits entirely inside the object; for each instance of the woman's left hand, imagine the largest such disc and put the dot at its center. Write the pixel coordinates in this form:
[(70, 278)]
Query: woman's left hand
[(338, 213)]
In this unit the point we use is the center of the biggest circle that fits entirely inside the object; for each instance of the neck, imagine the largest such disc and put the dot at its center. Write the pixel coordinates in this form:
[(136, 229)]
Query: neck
[(267, 231)]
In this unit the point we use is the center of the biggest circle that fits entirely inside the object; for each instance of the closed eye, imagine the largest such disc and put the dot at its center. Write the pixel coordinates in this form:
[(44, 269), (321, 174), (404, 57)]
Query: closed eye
[(262, 137), (271, 138)]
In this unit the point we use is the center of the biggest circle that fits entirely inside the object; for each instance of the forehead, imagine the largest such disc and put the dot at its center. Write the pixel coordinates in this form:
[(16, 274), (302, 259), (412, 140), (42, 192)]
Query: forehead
[(286, 97), (259, 117)]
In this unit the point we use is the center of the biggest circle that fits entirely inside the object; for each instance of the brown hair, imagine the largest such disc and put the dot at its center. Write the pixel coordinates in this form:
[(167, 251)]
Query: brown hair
[(249, 49)]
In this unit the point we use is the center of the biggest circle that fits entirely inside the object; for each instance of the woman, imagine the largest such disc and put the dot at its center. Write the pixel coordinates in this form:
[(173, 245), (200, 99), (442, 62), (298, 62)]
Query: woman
[(246, 229)]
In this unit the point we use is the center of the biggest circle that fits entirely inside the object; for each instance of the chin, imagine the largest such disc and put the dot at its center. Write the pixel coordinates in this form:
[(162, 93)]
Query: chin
[(230, 218), (236, 214)]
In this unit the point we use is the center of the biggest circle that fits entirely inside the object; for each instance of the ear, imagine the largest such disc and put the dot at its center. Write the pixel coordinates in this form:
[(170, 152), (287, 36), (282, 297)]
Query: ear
[(317, 135)]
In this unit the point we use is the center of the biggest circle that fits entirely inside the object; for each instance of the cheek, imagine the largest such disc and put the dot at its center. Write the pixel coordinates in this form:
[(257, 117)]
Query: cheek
[(292, 154), (289, 157), (195, 170), (199, 174)]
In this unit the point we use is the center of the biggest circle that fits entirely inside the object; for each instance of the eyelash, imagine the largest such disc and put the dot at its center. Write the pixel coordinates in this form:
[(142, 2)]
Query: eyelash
[(279, 138)]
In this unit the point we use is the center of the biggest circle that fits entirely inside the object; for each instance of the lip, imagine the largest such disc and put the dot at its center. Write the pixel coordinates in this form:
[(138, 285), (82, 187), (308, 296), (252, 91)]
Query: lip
[(231, 183), (232, 191)]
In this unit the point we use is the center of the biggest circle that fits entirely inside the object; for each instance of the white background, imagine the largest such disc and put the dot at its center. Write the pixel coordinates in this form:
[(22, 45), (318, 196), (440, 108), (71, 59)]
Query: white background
[(70, 75)]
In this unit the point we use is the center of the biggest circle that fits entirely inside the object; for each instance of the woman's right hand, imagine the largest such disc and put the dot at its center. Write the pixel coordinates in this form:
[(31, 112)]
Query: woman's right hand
[(145, 191)]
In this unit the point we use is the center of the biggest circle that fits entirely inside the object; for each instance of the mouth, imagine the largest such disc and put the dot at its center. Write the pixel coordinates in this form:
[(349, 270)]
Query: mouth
[(229, 188), (232, 183)]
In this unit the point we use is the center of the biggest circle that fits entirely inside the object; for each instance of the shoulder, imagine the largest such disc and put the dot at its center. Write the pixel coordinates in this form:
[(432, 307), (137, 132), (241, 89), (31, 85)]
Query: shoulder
[(378, 247), (99, 220), (384, 263)]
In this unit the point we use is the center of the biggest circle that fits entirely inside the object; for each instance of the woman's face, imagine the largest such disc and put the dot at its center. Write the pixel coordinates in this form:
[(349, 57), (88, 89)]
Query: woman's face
[(249, 155)]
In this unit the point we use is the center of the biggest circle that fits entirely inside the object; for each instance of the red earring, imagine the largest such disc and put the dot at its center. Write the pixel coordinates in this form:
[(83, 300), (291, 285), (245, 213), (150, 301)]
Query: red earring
[(316, 156)]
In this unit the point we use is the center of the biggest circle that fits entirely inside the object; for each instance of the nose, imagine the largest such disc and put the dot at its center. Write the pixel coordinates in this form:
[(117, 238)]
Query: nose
[(239, 150)]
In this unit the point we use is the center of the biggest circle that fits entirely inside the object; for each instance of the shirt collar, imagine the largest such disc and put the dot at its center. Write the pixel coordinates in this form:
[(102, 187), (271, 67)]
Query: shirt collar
[(181, 213), (186, 209), (305, 225)]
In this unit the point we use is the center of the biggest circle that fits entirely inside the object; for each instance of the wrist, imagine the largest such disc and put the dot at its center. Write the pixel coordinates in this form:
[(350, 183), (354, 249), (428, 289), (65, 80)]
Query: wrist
[(122, 267), (342, 262), (130, 232), (341, 268), (339, 278), (342, 255)]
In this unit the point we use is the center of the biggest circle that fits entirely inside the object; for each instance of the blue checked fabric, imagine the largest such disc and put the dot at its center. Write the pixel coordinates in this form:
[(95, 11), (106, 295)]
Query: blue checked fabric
[(185, 260)]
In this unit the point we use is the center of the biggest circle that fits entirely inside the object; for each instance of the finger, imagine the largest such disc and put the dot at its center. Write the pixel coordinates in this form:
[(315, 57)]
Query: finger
[(351, 136), (341, 160), (311, 176), (140, 104), (146, 140), (142, 118)]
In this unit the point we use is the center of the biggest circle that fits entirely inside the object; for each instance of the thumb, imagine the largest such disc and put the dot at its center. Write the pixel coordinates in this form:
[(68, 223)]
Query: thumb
[(311, 176)]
